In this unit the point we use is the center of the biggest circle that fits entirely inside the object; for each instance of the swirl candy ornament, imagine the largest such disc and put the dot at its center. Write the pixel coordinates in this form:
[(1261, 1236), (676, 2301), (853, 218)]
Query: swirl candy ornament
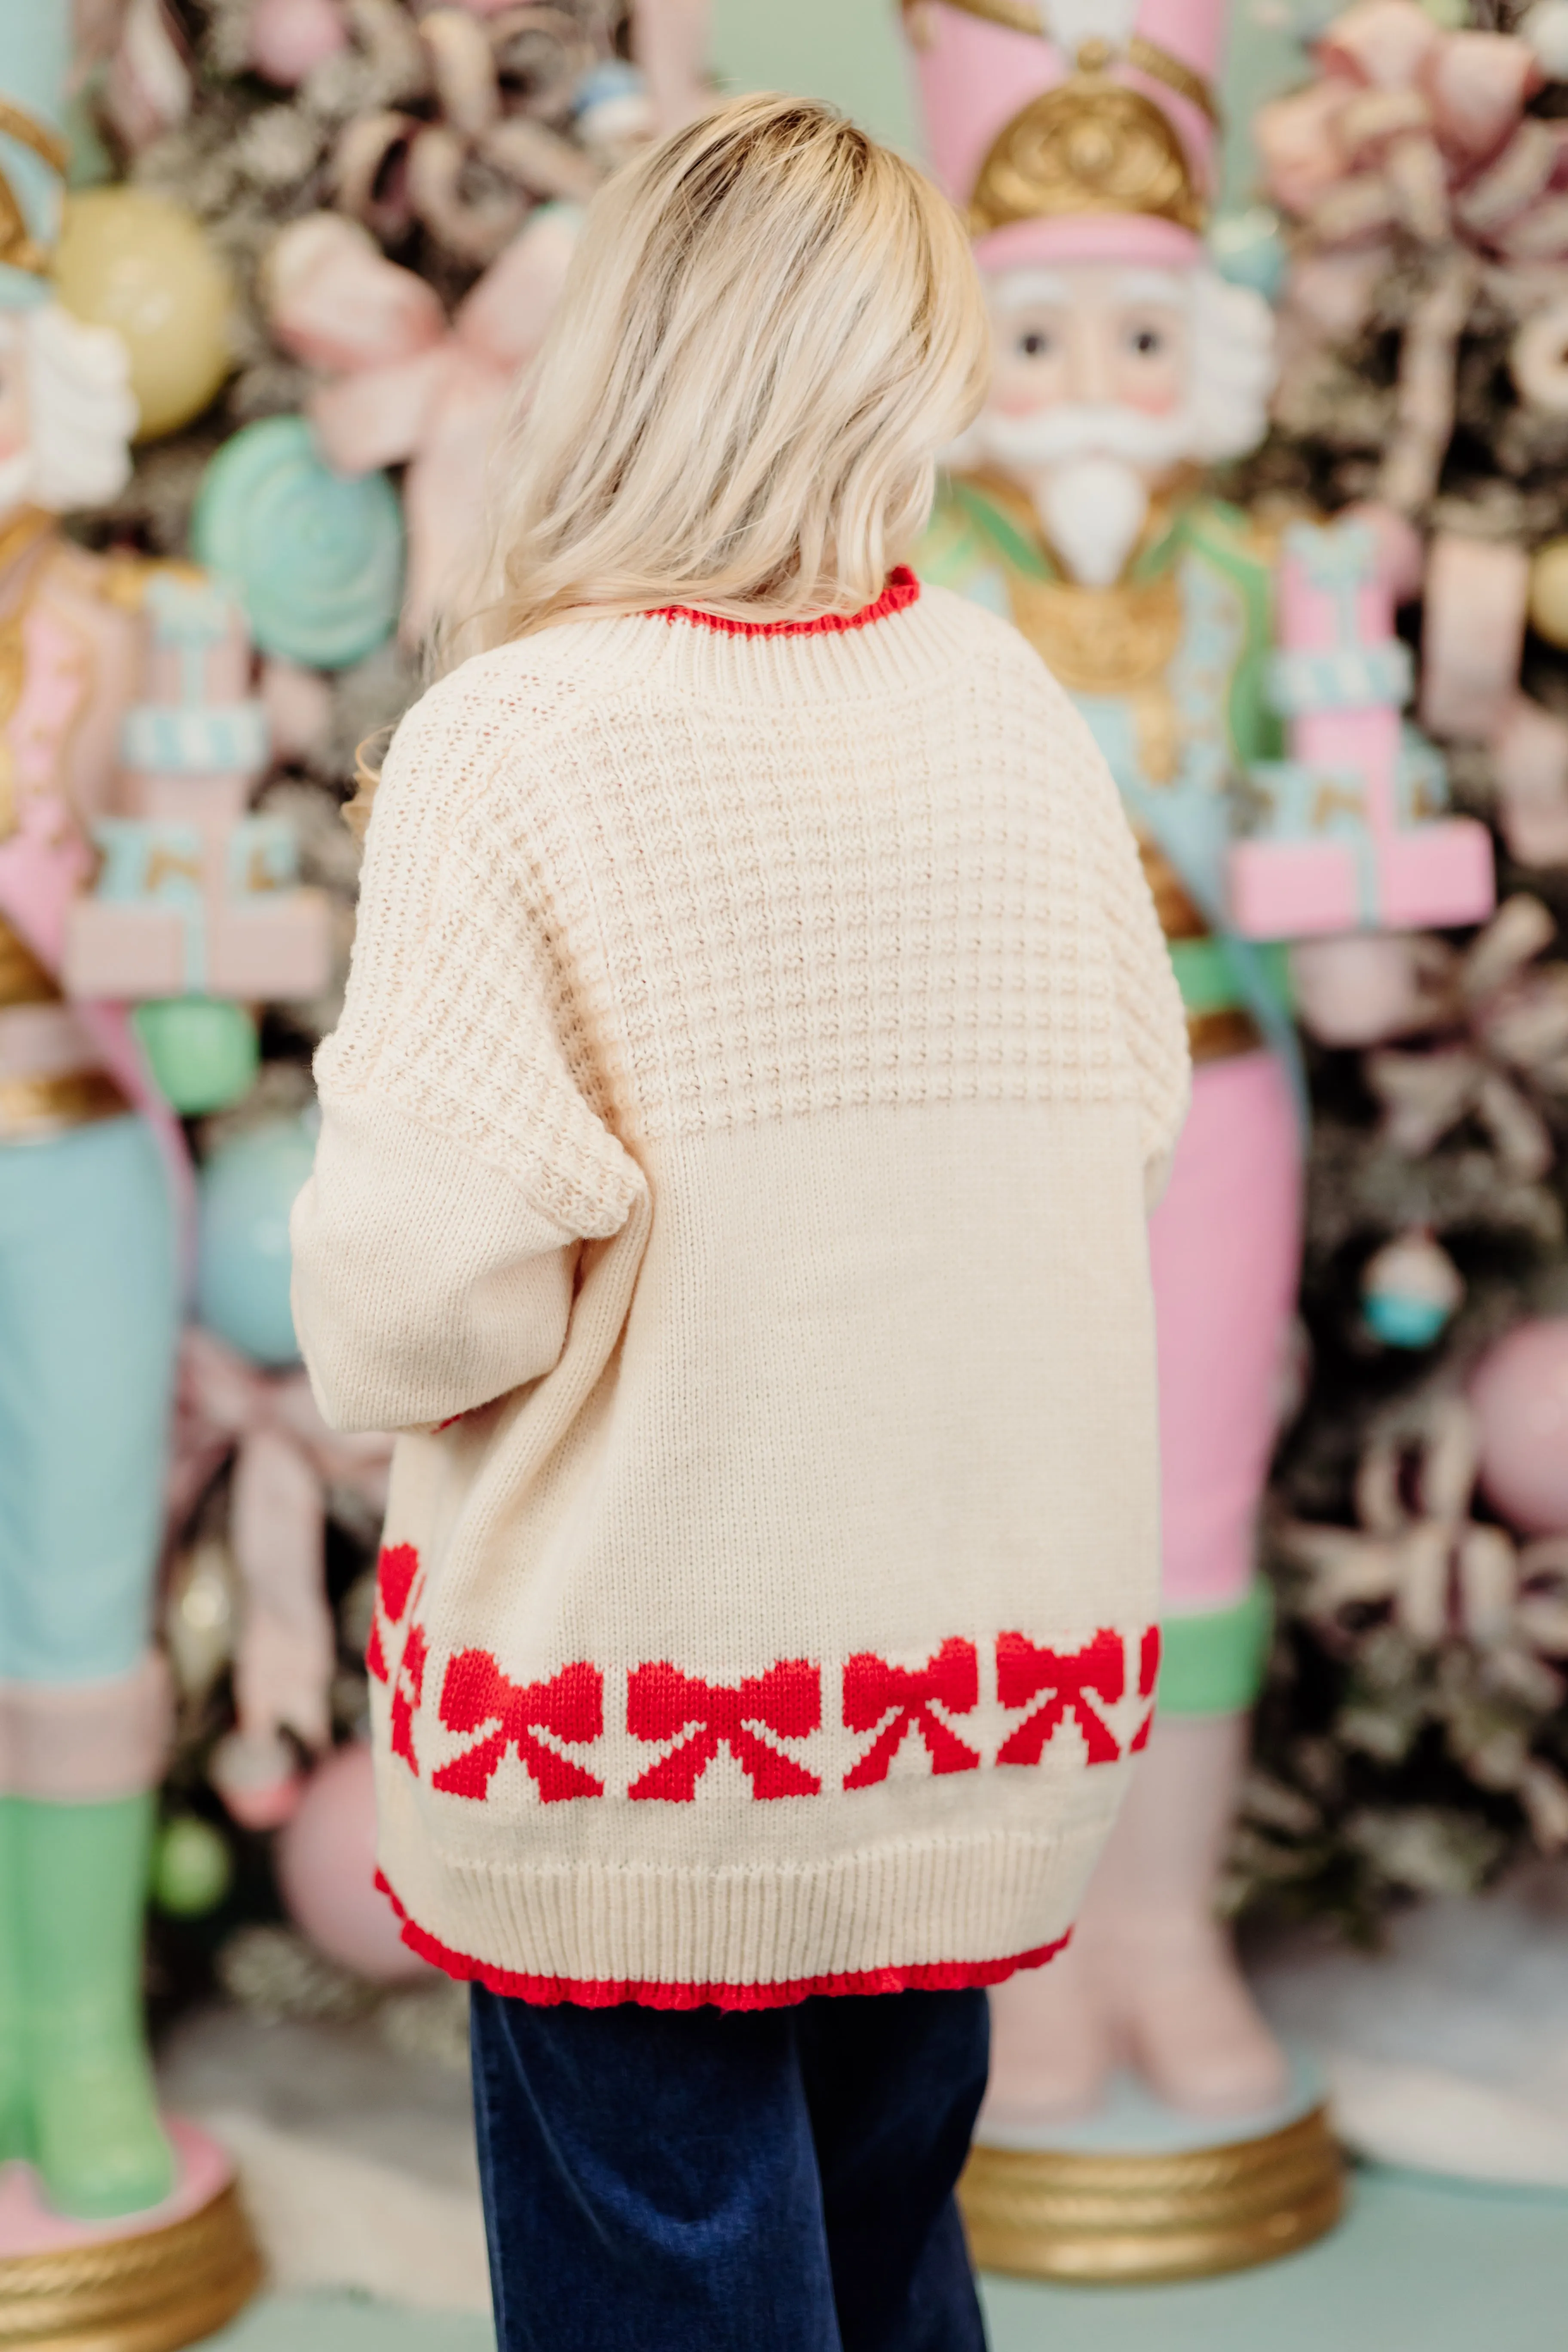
[(315, 557)]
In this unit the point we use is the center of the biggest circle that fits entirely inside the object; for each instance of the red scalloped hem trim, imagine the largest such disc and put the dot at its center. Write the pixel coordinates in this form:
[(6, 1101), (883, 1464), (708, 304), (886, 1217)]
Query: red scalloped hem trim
[(547, 1992), (901, 590)]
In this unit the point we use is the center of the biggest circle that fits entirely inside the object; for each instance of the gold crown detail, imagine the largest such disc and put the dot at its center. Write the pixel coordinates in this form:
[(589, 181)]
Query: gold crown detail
[(1092, 144)]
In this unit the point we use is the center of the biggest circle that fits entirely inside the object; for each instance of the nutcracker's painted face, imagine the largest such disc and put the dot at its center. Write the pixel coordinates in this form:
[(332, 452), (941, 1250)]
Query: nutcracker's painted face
[(1106, 380), (1098, 338)]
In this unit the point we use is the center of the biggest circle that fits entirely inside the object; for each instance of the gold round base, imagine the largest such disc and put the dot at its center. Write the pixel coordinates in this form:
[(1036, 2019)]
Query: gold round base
[(151, 2292), (1127, 2220)]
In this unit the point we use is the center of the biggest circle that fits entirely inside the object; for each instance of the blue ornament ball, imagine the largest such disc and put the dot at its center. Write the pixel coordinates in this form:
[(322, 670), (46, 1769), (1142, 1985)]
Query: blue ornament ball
[(315, 557), (246, 1191)]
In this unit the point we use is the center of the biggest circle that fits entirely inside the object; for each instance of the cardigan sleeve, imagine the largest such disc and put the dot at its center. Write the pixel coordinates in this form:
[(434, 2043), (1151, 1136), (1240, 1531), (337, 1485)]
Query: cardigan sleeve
[(460, 1161)]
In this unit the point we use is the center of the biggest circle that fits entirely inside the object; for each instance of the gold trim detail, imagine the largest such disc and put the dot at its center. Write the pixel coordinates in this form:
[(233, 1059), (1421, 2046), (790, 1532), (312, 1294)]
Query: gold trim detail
[(1090, 145), (1185, 80), (1221, 1037), (31, 1110), (28, 132), (1111, 641), (152, 2293), (1100, 2219), (23, 979)]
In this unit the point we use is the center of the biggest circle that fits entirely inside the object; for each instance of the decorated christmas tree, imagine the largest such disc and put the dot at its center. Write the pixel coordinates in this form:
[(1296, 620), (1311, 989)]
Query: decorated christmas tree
[(1414, 1737)]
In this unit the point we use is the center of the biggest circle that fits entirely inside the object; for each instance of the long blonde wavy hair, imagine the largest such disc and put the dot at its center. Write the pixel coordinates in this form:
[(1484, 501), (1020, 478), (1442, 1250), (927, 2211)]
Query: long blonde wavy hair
[(770, 326)]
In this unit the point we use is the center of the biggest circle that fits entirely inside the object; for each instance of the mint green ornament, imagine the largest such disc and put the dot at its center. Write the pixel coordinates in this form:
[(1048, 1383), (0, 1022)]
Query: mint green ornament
[(193, 1868), (315, 557), (244, 1194), (202, 1050)]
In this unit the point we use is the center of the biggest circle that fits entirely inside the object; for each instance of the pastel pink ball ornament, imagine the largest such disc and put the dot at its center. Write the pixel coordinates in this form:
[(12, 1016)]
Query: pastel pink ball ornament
[(1520, 1392), (326, 1870), (289, 38)]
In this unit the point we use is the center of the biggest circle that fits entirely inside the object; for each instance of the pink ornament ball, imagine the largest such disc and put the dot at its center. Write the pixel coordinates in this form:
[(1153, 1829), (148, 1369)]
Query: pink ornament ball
[(1520, 1394), (326, 1870), (289, 38)]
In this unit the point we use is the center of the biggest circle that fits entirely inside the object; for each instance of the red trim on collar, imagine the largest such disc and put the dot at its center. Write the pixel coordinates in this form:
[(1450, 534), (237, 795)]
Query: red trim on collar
[(901, 590), (548, 1993)]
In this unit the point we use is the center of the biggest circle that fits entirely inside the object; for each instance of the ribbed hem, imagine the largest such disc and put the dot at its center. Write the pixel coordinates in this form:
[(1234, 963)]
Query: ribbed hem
[(549, 1993), (928, 1903)]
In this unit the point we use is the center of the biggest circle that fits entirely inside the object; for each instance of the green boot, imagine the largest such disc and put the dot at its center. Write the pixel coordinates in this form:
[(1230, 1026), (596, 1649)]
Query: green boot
[(13, 2141), (96, 2138)]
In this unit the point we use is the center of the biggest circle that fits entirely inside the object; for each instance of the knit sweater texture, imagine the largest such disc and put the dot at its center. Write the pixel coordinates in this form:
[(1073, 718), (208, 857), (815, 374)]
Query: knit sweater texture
[(758, 1052)]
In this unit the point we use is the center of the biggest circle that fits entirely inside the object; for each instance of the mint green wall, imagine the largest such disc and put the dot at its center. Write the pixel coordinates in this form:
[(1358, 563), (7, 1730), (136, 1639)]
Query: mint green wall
[(849, 51)]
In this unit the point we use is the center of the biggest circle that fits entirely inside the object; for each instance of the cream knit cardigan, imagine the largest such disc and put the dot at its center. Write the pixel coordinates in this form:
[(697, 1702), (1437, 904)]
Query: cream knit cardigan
[(759, 1051)]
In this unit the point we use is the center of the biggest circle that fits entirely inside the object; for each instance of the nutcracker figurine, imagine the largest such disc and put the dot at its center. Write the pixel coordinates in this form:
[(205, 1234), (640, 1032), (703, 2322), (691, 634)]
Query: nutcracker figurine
[(89, 1306), (1078, 136)]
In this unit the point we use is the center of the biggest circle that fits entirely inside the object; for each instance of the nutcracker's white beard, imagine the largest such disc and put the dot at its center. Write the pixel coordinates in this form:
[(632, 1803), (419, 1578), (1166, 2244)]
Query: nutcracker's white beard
[(1090, 467)]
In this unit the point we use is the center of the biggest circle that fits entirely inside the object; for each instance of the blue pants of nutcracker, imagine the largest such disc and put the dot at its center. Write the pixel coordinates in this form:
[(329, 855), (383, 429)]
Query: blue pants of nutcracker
[(89, 1325), (701, 2180)]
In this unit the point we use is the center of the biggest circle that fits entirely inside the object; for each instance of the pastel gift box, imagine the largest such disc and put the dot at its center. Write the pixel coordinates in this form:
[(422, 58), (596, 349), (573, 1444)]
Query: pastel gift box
[(193, 896), (1348, 838)]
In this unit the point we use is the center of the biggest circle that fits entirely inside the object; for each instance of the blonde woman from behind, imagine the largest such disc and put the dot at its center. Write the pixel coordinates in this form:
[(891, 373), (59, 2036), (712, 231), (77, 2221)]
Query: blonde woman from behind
[(759, 1054)]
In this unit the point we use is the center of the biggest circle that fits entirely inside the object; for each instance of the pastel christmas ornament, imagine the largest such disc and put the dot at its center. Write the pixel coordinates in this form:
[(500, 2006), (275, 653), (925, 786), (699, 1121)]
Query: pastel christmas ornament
[(202, 1053), (1520, 1395), (289, 38), (247, 1190), (315, 558), (134, 261), (326, 1869), (193, 1868), (1411, 1291), (1548, 592)]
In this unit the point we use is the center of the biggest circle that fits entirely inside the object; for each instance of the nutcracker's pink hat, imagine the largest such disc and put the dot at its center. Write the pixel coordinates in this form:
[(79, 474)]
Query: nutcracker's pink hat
[(1073, 130)]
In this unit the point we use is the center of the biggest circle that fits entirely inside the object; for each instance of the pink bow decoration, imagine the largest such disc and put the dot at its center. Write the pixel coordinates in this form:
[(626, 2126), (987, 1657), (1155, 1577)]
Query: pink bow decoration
[(475, 1695), (873, 1689), (662, 1702), (1443, 1579), (400, 383), (1500, 1022), (285, 1455), (1072, 1679), (1416, 137)]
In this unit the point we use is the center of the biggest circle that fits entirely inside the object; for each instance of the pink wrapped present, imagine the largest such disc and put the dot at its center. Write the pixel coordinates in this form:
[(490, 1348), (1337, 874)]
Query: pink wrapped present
[(1352, 836)]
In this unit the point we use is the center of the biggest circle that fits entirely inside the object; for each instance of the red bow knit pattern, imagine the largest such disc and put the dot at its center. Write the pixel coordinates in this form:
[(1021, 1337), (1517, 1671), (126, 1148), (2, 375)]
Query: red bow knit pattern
[(1099, 1671), (395, 1570), (406, 1693), (950, 1679), (662, 1702), (571, 1705)]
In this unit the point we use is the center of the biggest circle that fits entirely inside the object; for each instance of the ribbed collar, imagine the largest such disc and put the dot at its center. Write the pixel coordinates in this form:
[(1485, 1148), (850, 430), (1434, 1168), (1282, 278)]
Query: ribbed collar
[(901, 590)]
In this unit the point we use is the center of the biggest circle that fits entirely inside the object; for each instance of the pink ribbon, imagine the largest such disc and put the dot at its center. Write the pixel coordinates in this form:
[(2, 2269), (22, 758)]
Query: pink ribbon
[(401, 385), (285, 1455)]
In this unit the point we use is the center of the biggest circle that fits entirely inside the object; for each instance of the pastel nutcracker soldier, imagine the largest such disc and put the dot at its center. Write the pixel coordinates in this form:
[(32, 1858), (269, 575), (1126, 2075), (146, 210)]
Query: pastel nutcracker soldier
[(89, 1296), (1079, 137)]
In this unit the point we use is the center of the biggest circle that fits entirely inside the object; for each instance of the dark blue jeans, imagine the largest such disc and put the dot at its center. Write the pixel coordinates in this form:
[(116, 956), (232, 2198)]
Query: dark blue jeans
[(702, 2180)]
